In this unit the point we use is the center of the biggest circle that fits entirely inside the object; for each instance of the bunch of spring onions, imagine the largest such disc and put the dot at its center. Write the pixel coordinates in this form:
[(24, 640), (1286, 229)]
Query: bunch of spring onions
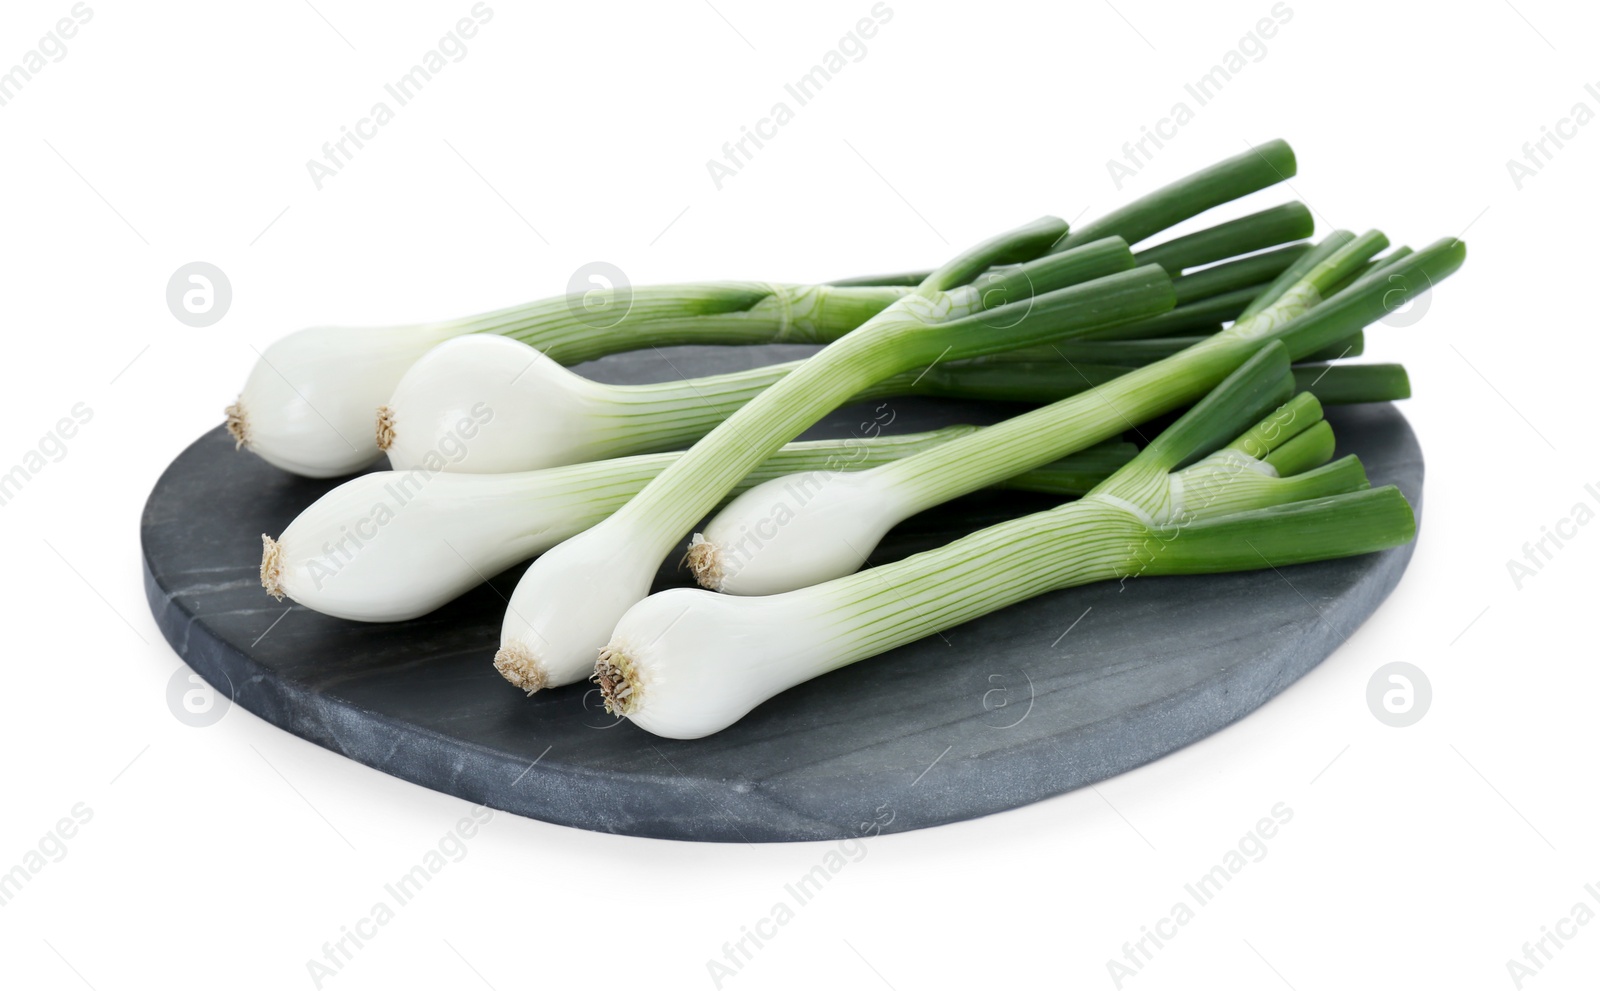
[(1238, 330)]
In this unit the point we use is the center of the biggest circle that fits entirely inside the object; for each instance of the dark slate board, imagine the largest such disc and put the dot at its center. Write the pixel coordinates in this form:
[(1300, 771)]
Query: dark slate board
[(993, 715)]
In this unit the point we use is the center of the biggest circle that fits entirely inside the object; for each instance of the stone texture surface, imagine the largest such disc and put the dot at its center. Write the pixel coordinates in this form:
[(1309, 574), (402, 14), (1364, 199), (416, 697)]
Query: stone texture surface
[(989, 716)]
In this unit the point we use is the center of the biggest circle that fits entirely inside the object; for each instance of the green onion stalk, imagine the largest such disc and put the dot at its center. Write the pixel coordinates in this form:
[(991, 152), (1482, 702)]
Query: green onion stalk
[(531, 413), (388, 546), (686, 663)]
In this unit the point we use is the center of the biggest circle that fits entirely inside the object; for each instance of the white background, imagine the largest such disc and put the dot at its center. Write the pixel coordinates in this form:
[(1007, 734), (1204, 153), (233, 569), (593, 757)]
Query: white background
[(227, 856)]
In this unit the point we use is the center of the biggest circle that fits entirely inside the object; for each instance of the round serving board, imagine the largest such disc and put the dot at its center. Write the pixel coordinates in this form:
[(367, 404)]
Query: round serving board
[(1038, 699)]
